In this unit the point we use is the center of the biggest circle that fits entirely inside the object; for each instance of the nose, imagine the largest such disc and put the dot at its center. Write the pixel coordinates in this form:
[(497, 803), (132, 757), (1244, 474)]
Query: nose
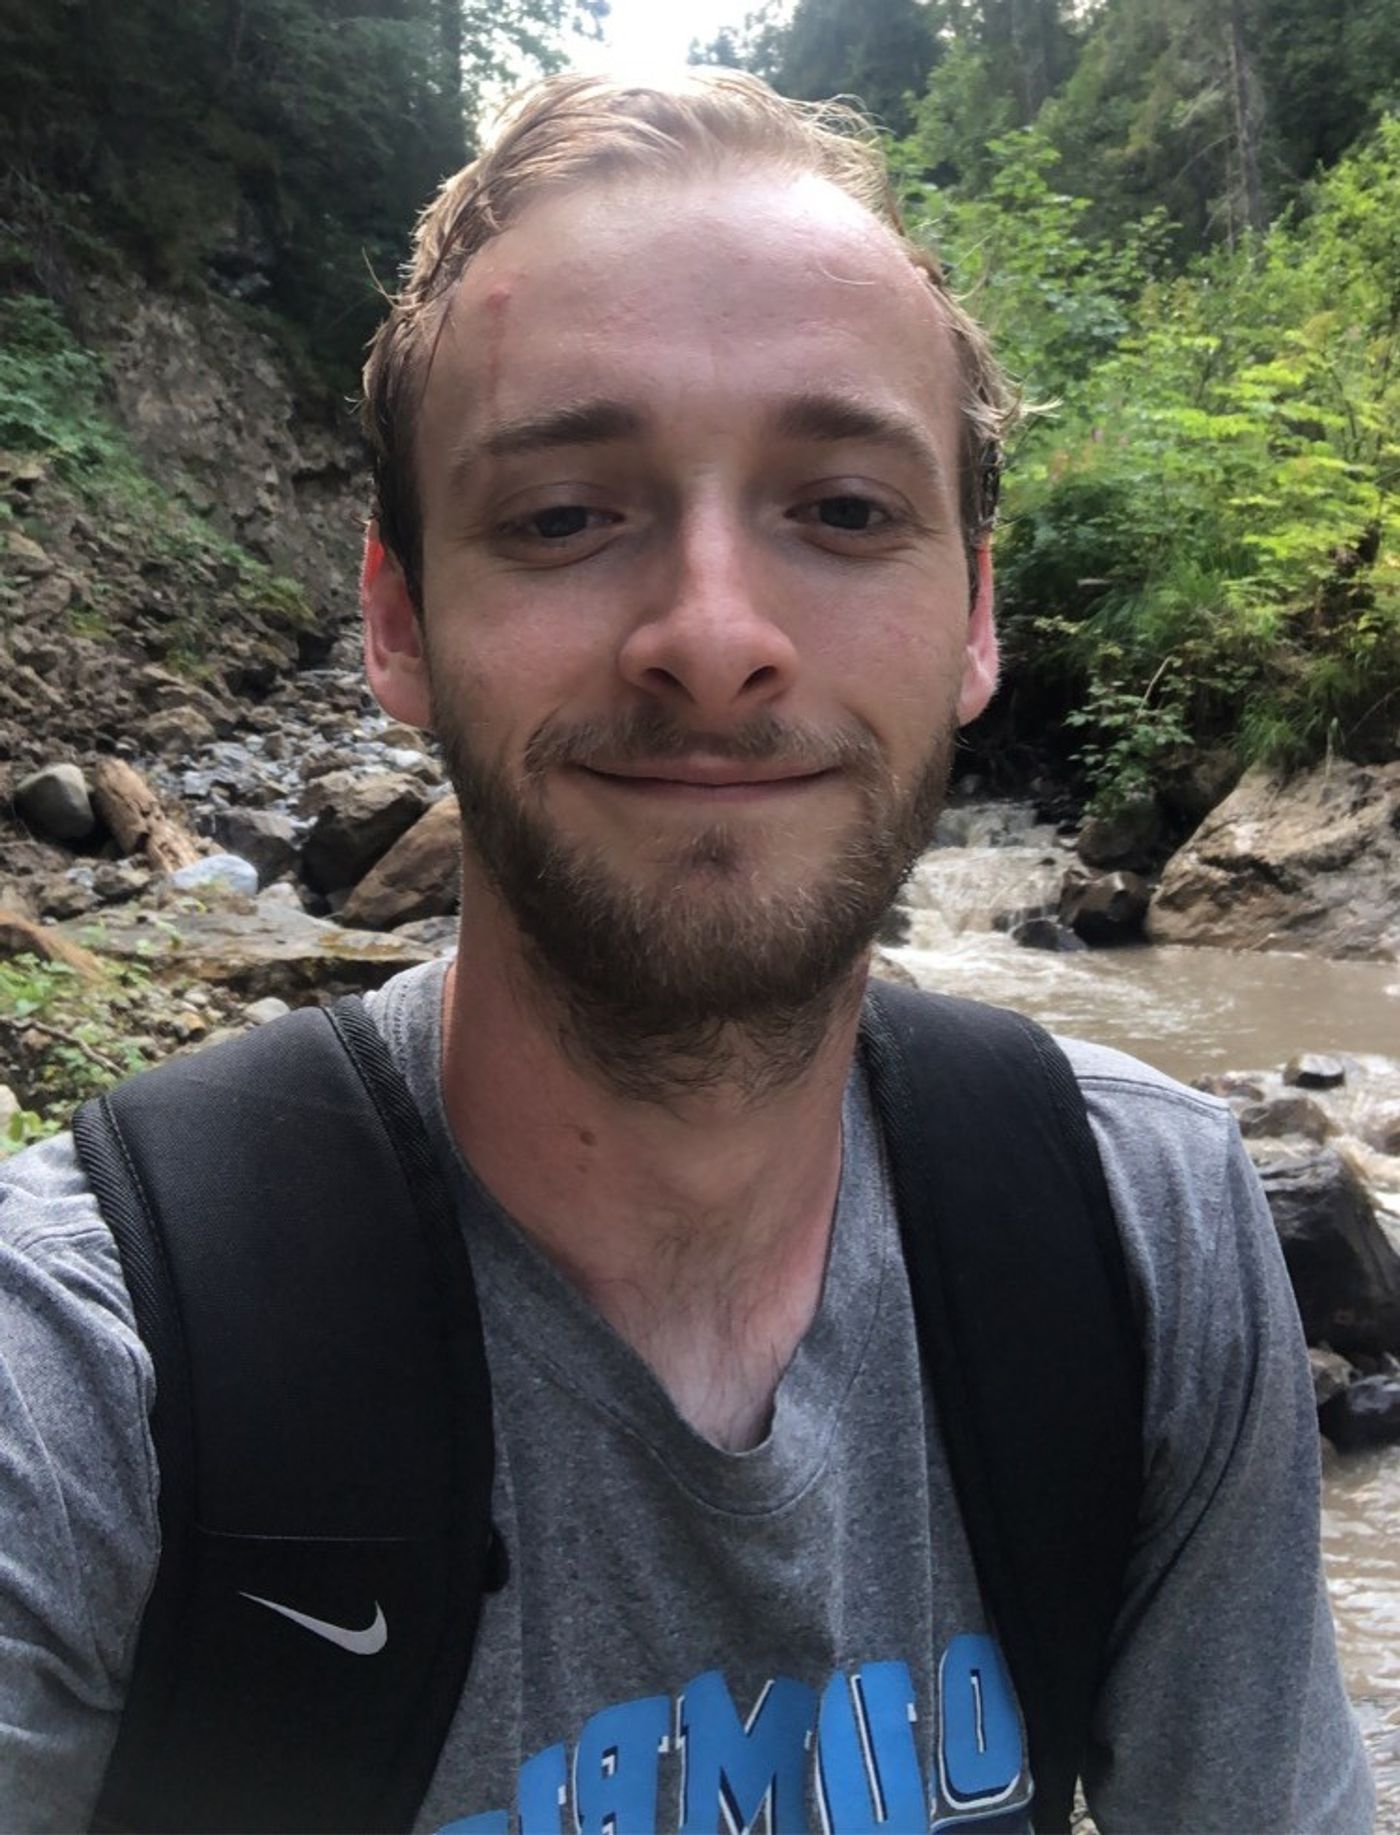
[(710, 644)]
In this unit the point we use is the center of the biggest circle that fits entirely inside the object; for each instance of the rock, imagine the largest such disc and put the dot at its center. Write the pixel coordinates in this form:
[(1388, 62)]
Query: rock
[(1331, 1373), (21, 936), (359, 821), (1131, 837), (26, 556), (217, 870), (1382, 1130), (1309, 863), (56, 802), (1278, 1115), (1106, 909), (176, 729), (139, 825), (408, 737), (67, 897), (1345, 1274), (49, 599), (1193, 785), (1046, 933), (10, 1106), (270, 948), (1233, 1085), (1311, 1070), (888, 968), (417, 878), (282, 892), (267, 839), (263, 1012), (1366, 1413), (439, 934), (115, 881)]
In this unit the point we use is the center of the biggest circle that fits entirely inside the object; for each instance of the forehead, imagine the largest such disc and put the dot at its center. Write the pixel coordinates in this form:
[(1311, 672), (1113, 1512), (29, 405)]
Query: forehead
[(710, 299)]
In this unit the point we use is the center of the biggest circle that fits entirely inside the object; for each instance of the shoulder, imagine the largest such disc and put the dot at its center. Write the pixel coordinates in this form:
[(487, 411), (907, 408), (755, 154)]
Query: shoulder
[(1176, 1169), (77, 1488), (53, 1238)]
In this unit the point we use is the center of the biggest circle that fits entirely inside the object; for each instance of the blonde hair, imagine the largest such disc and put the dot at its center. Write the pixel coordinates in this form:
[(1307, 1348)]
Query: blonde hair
[(568, 129)]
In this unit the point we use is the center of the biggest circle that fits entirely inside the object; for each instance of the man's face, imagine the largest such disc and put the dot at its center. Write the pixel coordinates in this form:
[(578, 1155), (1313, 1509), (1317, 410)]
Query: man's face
[(696, 609)]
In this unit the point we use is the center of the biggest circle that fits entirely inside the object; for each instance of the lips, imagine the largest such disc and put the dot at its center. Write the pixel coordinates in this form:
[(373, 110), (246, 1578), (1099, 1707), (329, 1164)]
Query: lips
[(707, 774)]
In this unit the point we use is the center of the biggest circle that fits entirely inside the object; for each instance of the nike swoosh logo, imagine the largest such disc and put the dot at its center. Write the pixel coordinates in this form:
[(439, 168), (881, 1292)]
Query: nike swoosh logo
[(364, 1643)]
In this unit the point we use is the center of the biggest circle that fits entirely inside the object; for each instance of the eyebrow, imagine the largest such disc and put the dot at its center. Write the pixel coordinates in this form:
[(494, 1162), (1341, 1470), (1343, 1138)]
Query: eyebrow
[(587, 423), (825, 418), (834, 419)]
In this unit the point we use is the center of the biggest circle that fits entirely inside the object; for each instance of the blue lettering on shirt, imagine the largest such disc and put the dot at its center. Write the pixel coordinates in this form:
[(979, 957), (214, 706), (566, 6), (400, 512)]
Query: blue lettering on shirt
[(857, 1752)]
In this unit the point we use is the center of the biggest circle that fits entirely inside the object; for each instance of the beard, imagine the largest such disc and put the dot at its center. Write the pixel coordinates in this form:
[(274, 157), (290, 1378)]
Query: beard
[(707, 969)]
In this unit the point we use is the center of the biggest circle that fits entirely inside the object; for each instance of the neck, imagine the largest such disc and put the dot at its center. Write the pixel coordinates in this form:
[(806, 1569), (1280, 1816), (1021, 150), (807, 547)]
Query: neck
[(698, 1224)]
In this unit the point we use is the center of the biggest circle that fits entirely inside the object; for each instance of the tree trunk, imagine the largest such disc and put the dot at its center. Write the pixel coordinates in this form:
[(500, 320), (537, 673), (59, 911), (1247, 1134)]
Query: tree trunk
[(1242, 91)]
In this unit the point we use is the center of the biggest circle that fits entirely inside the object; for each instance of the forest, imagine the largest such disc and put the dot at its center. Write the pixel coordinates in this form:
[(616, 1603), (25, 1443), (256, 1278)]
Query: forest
[(1180, 219)]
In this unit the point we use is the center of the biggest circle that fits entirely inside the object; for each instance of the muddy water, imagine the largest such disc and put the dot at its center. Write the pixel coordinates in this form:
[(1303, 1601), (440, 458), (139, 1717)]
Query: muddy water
[(1188, 1012)]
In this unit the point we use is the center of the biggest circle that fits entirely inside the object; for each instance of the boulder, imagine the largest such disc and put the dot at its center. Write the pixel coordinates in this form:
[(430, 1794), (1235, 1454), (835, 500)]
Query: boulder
[(266, 838), (888, 968), (1277, 1115), (55, 801), (1345, 1274), (1131, 837), (417, 878), (217, 873), (176, 729), (1365, 1413), (359, 820), (26, 556), (115, 881), (1331, 1373), (267, 948), (1046, 933), (1382, 1129), (1312, 1070), (1107, 909), (1308, 863), (1233, 1085), (263, 1012)]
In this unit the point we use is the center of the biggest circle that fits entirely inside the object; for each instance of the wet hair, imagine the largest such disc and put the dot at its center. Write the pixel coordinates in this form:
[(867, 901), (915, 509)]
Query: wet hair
[(570, 129)]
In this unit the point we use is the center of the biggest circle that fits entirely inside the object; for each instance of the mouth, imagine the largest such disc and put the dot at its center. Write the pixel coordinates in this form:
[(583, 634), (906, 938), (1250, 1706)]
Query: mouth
[(707, 780)]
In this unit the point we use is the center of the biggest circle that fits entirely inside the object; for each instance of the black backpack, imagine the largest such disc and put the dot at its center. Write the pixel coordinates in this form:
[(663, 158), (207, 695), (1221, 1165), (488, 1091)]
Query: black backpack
[(323, 1421)]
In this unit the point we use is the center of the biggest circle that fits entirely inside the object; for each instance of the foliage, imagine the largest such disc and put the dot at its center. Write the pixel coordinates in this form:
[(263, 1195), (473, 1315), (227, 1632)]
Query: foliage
[(278, 149), (1204, 544), (50, 390), (1054, 297), (877, 51), (80, 1034)]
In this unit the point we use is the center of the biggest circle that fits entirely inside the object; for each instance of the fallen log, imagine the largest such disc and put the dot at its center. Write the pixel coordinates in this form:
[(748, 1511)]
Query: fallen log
[(138, 824)]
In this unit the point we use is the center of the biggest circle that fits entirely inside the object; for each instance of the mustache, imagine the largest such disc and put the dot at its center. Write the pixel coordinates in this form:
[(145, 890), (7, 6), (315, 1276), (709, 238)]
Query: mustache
[(649, 734)]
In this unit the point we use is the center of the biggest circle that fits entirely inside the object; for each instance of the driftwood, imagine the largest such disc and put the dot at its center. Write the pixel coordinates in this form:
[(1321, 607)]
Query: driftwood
[(21, 936), (132, 812)]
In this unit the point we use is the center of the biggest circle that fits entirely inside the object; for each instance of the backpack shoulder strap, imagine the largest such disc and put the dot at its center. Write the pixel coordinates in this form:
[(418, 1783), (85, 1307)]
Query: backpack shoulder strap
[(322, 1425), (1028, 1337)]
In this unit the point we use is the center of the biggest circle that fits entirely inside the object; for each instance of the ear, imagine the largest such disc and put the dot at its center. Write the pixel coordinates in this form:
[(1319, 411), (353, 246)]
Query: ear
[(980, 655), (395, 661)]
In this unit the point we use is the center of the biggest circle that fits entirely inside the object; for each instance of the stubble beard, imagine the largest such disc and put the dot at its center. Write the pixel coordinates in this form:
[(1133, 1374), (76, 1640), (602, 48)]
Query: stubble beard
[(701, 974)]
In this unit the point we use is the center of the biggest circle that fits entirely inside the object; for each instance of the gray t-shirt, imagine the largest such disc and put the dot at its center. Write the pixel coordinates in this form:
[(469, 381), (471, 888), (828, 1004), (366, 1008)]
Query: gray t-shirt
[(697, 1638)]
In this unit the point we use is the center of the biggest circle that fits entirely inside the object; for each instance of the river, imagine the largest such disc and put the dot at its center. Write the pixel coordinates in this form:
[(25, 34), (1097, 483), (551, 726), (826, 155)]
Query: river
[(1190, 1011)]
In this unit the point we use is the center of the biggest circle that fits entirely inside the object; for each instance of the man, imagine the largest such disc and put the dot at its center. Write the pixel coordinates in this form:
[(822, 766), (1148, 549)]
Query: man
[(684, 464)]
